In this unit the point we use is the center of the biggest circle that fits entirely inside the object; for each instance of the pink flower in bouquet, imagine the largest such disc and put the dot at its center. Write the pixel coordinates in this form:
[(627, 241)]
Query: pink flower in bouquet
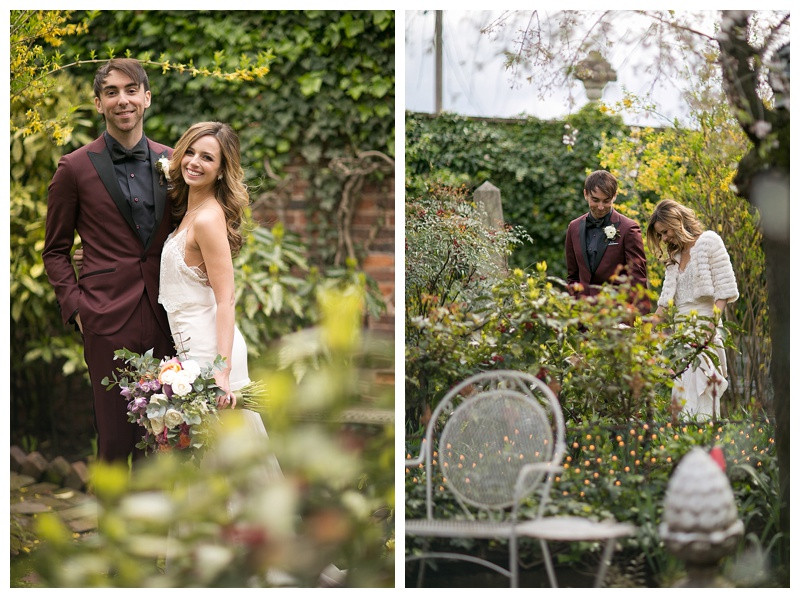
[(168, 371), (138, 404)]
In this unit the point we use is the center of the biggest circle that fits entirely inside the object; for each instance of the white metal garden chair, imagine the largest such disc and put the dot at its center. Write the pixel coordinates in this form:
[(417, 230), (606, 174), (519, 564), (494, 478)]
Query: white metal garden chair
[(503, 441)]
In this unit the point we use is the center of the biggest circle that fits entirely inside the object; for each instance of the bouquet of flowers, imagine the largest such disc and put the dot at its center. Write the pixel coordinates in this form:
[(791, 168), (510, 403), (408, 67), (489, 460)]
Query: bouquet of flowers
[(173, 399)]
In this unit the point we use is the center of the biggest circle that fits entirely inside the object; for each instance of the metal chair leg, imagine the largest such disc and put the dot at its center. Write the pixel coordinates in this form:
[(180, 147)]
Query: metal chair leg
[(605, 562), (548, 564), (513, 565)]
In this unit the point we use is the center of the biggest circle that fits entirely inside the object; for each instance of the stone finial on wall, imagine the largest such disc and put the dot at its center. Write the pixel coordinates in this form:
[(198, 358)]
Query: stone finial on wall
[(595, 72), (487, 196), (700, 524)]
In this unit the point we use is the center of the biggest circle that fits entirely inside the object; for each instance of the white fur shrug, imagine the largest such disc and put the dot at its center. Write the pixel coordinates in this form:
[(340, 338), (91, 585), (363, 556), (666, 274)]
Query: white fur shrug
[(712, 274)]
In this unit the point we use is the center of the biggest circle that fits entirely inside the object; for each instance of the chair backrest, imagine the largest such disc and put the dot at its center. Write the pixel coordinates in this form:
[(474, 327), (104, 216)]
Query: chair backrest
[(496, 423)]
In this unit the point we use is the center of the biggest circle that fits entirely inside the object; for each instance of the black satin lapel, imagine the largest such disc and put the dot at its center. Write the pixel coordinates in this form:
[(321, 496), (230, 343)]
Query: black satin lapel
[(601, 252), (159, 194), (105, 170), (582, 233)]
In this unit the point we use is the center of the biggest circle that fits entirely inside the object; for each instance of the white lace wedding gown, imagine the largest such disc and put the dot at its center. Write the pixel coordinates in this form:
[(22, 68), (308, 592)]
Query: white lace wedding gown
[(699, 389), (192, 310)]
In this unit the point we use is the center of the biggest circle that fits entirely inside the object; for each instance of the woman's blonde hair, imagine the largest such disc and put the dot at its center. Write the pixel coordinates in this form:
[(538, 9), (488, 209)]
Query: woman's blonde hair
[(681, 220), (230, 190)]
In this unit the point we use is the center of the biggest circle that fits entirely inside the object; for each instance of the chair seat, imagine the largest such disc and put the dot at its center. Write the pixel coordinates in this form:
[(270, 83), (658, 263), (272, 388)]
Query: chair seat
[(457, 528), (555, 529), (573, 529)]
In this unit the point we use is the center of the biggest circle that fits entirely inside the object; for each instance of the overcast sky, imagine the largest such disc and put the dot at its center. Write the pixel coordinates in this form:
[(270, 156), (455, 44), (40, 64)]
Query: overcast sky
[(476, 83)]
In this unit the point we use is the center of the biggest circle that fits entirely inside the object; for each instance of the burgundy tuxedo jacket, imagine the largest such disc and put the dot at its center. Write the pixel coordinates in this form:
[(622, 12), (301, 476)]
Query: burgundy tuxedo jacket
[(624, 254), (84, 196)]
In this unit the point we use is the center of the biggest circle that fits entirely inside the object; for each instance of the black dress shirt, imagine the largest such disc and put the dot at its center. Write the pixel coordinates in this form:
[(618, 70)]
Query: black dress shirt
[(136, 183)]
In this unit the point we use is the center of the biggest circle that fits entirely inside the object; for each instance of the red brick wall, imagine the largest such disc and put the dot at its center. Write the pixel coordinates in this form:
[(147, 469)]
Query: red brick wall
[(372, 228)]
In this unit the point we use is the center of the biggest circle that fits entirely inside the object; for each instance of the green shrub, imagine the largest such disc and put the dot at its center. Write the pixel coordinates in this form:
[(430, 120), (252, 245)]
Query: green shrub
[(276, 288), (599, 355)]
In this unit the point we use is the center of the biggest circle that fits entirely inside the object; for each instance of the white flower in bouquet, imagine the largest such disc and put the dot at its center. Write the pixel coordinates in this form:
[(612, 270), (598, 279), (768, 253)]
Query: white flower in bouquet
[(159, 398), (173, 418), (181, 383), (191, 368), (157, 423)]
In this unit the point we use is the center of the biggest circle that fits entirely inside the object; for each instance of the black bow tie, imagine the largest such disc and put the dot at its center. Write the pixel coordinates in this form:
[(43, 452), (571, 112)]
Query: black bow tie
[(120, 154), (592, 222)]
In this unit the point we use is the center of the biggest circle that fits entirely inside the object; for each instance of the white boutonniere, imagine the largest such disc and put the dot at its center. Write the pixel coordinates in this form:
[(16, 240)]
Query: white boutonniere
[(611, 232), (163, 166)]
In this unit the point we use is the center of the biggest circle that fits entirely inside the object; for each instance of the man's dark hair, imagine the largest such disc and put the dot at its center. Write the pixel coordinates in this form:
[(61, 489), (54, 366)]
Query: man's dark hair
[(602, 180), (129, 66)]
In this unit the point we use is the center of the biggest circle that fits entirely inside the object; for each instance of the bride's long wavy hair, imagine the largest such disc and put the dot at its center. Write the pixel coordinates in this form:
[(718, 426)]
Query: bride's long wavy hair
[(683, 223), (230, 190)]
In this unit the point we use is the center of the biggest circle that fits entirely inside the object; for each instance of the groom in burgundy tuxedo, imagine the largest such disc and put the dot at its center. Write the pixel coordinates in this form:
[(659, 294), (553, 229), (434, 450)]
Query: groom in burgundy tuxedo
[(111, 193), (603, 245)]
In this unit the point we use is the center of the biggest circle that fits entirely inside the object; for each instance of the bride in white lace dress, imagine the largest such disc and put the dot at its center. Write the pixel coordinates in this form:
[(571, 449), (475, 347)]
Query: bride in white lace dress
[(698, 277), (197, 283)]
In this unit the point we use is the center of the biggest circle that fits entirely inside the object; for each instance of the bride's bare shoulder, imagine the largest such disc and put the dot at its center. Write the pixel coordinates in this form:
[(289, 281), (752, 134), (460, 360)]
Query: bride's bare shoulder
[(209, 218)]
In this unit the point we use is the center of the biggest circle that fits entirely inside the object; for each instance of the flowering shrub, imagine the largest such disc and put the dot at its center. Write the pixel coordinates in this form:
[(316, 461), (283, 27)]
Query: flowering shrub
[(452, 260), (450, 253), (598, 354)]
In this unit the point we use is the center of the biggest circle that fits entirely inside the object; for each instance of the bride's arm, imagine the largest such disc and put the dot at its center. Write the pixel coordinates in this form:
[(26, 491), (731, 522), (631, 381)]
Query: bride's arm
[(211, 237)]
